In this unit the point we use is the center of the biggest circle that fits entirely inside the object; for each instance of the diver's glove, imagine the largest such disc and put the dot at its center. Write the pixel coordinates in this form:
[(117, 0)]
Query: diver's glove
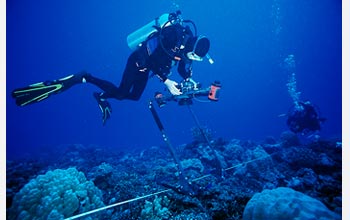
[(105, 107), (171, 85)]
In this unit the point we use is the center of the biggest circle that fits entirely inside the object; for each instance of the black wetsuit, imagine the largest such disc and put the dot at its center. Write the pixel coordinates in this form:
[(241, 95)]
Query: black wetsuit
[(150, 57)]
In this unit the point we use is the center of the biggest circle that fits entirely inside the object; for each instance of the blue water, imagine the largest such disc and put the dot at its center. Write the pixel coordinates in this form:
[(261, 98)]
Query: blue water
[(48, 40)]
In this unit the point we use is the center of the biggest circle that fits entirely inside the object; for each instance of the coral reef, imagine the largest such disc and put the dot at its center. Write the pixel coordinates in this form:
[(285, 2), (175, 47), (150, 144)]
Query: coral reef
[(157, 209), (312, 168)]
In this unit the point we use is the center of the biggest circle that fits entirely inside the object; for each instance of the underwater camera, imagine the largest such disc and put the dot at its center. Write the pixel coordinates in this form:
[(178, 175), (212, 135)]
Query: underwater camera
[(190, 90)]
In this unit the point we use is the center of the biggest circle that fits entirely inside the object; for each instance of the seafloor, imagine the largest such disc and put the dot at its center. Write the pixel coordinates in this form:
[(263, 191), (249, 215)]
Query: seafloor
[(313, 168)]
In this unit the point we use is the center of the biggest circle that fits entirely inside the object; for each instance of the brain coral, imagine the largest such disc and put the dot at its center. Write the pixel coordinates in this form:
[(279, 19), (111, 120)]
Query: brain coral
[(286, 204), (56, 195)]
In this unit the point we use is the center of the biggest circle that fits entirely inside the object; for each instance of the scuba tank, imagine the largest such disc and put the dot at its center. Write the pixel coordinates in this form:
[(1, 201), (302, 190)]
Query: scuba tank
[(140, 35)]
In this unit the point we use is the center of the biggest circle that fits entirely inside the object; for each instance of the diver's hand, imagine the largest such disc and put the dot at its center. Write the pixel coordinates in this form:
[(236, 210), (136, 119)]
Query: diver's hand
[(171, 85)]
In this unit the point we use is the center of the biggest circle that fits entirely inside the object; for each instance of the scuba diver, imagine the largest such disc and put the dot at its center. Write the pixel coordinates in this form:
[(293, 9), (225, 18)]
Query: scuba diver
[(158, 46), (303, 118)]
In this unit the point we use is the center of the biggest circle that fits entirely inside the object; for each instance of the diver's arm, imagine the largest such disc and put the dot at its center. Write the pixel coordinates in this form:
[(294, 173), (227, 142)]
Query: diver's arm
[(161, 75), (170, 84), (185, 69)]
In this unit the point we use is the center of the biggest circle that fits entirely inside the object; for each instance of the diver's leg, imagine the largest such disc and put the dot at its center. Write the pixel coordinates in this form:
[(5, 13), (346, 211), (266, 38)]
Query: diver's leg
[(138, 87), (111, 91), (131, 87), (133, 81), (106, 86)]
